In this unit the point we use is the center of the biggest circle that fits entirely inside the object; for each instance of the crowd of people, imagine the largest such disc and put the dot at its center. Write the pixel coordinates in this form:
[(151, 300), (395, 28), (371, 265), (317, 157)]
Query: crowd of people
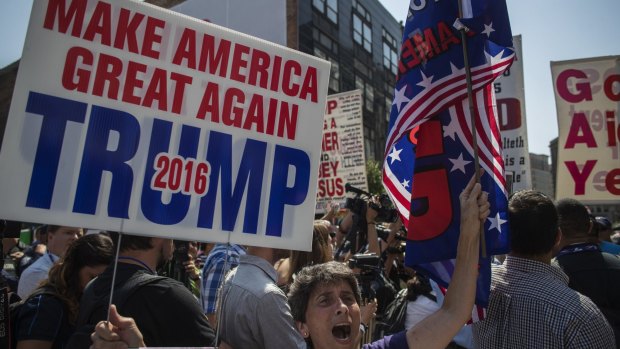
[(559, 287)]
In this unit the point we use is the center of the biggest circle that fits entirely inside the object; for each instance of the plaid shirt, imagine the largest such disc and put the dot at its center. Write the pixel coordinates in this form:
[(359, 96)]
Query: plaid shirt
[(213, 273), (531, 306)]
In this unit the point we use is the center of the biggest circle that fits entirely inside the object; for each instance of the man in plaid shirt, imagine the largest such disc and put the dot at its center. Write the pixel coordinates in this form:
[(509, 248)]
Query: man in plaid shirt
[(213, 273), (531, 305)]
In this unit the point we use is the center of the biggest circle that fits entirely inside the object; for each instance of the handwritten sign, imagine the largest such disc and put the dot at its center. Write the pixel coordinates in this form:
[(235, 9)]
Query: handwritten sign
[(342, 149), (510, 102)]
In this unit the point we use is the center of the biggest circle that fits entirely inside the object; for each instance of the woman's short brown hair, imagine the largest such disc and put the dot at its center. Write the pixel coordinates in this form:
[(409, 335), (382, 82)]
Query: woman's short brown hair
[(316, 275)]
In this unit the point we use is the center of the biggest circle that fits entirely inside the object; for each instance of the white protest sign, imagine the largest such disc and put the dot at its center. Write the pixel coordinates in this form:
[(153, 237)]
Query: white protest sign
[(510, 101), (342, 158), (587, 96), (132, 118)]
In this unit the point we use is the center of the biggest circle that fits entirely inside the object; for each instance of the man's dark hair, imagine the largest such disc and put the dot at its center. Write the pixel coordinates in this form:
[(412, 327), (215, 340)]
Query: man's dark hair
[(52, 228), (316, 275), (131, 242), (574, 218), (533, 223)]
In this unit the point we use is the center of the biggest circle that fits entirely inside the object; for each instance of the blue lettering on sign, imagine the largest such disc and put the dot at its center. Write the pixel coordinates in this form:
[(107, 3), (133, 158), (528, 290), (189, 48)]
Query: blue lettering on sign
[(282, 195), (151, 201), (250, 174), (56, 112), (97, 158)]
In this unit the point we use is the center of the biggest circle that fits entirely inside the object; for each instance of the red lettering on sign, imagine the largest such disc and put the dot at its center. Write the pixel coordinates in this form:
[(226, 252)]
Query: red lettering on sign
[(330, 141), (609, 87), (74, 78), (101, 28), (331, 105), (580, 132), (177, 174), (580, 177), (141, 84), (612, 181), (280, 117), (583, 88)]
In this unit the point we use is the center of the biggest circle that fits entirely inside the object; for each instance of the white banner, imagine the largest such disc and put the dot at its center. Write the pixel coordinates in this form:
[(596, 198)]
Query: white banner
[(587, 97), (132, 118), (342, 158), (510, 101)]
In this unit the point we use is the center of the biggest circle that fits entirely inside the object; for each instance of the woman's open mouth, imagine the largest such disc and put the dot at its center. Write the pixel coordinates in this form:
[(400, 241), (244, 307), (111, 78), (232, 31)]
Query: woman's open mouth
[(342, 332)]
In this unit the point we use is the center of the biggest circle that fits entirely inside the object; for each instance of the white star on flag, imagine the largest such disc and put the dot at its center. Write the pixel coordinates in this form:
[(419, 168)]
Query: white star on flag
[(459, 164), (494, 59), (400, 98), (455, 70), (395, 155), (426, 80), (451, 129), (405, 183), (488, 29), (496, 222)]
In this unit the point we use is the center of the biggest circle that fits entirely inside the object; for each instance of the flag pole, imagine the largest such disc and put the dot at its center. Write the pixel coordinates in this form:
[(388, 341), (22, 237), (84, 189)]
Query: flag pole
[(474, 132)]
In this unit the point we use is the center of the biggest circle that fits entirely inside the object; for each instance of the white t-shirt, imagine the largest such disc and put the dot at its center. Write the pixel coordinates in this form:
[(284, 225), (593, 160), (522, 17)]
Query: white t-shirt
[(34, 274), (418, 310), (423, 307)]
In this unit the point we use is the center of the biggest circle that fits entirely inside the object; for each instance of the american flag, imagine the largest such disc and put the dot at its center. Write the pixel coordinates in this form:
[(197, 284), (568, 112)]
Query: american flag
[(430, 133)]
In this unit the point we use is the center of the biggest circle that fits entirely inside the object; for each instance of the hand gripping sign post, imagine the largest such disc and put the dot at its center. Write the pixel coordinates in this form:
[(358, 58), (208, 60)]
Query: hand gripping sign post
[(131, 118)]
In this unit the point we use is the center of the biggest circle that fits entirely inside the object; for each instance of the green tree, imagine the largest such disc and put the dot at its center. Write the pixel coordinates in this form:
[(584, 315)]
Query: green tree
[(373, 176)]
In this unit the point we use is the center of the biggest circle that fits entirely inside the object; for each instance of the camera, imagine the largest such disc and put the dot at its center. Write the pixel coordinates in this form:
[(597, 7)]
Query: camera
[(180, 255), (369, 277), (385, 210), (396, 249), (181, 251), (372, 281), (384, 234), (365, 261)]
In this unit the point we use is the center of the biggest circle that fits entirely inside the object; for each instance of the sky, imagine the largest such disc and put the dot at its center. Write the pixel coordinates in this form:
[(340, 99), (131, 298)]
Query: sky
[(551, 30)]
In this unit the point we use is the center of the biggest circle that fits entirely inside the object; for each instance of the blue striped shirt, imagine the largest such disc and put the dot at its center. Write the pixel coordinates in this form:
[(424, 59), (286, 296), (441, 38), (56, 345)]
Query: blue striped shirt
[(215, 270)]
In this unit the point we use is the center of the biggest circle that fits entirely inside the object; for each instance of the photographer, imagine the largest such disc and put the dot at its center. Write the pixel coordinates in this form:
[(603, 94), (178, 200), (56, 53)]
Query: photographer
[(366, 210), (373, 238), (182, 267), (394, 254)]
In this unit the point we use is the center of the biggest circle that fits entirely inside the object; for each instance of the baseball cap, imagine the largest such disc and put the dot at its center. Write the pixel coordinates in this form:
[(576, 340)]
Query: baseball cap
[(603, 222)]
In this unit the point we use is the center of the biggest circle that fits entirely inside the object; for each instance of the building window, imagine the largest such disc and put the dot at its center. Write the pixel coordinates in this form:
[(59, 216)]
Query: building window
[(326, 41), (334, 74), (327, 7), (368, 92), (361, 10), (390, 53), (369, 141), (388, 108), (370, 97), (362, 31), (362, 68)]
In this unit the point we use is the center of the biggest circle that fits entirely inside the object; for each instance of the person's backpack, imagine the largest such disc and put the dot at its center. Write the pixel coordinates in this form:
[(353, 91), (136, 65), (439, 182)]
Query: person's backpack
[(94, 308), (15, 309), (393, 320)]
